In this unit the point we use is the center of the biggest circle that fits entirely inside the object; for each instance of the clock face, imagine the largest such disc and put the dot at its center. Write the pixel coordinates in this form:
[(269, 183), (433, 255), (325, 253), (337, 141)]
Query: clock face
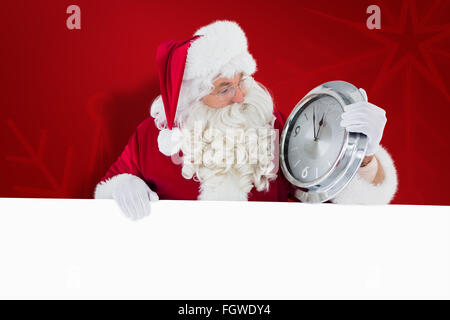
[(315, 139)]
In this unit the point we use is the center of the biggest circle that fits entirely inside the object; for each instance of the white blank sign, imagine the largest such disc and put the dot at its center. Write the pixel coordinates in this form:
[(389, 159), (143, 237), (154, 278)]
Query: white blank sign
[(223, 250)]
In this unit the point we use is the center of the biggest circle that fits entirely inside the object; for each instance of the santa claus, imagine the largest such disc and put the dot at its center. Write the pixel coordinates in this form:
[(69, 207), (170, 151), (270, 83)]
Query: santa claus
[(212, 134)]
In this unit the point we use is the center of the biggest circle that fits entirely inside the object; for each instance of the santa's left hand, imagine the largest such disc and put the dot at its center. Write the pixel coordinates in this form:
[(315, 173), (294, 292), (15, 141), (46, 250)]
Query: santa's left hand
[(366, 118)]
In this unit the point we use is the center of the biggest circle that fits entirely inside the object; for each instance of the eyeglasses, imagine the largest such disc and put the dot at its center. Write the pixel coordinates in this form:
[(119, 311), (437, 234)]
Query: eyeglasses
[(229, 92)]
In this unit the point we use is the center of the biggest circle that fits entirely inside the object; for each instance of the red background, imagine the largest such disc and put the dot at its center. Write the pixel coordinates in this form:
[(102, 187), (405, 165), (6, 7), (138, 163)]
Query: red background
[(71, 98)]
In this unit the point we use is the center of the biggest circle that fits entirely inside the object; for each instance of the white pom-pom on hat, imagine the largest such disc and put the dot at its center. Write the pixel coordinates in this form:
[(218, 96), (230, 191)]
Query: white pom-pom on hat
[(170, 141)]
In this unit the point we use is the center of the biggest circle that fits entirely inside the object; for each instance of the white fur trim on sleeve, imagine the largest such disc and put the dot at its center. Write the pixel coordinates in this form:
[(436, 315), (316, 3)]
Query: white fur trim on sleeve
[(360, 191), (104, 189)]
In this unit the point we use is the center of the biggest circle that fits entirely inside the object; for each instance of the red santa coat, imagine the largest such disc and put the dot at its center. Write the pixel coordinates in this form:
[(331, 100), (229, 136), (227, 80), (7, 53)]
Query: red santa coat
[(142, 158)]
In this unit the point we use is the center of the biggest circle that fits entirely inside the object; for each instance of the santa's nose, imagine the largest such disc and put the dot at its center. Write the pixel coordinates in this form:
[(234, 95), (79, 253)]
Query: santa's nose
[(238, 97)]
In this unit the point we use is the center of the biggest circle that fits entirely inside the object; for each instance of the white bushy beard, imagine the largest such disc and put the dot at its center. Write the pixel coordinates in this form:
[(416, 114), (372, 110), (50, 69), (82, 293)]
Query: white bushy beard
[(230, 149)]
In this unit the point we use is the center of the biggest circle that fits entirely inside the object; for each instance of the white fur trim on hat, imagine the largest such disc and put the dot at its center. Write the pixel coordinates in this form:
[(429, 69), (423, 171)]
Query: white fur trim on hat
[(222, 48), (360, 191)]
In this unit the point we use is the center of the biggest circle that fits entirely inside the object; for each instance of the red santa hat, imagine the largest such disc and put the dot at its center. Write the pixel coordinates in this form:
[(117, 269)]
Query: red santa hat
[(218, 48)]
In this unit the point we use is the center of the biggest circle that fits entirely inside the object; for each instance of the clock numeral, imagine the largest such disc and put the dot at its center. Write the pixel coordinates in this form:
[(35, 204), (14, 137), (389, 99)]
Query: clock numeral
[(305, 172), (296, 164), (296, 130)]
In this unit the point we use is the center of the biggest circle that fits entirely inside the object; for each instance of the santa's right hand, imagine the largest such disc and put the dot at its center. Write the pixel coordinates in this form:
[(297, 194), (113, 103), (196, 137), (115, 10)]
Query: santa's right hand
[(133, 197)]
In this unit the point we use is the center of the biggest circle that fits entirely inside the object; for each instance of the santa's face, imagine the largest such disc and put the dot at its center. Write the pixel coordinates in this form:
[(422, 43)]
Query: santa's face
[(226, 91)]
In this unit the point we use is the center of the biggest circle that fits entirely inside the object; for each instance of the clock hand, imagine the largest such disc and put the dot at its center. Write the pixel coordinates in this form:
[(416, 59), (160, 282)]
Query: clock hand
[(314, 121), (320, 126)]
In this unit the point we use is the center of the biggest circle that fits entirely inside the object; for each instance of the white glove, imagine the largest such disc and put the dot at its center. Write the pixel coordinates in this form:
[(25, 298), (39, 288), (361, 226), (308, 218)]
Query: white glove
[(134, 196), (366, 118)]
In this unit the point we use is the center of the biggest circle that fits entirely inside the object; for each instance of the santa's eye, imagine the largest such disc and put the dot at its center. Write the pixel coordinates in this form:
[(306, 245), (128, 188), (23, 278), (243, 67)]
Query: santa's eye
[(225, 91)]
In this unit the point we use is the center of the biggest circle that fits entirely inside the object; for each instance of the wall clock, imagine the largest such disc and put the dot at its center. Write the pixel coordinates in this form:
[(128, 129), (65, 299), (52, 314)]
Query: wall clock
[(317, 155)]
